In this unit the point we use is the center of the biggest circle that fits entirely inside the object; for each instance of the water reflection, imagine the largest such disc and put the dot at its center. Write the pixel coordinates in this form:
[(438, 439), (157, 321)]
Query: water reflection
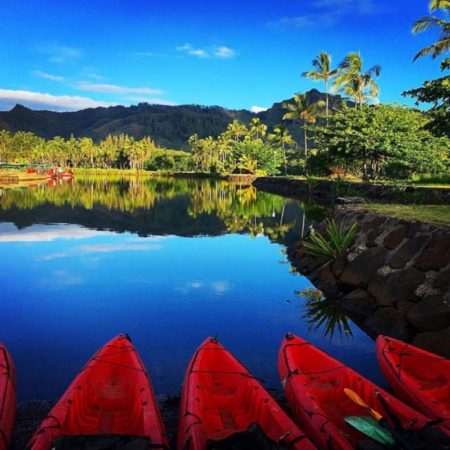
[(167, 261), (324, 315), (184, 207)]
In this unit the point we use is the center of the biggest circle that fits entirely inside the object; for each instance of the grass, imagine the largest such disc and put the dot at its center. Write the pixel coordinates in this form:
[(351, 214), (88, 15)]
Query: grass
[(425, 213)]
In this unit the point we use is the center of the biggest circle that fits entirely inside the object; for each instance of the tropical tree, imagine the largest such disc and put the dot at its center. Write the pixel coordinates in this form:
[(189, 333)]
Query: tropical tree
[(282, 138), (356, 83), (305, 112), (322, 72), (236, 130), (442, 46), (257, 128)]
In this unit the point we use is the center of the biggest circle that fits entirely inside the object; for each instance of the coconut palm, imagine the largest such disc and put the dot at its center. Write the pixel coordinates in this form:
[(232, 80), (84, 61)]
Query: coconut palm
[(354, 82), (443, 26), (282, 137), (257, 128), (236, 130), (303, 111), (323, 73)]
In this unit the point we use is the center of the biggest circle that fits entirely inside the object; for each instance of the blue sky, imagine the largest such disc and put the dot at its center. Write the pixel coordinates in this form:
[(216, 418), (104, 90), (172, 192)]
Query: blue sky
[(73, 54)]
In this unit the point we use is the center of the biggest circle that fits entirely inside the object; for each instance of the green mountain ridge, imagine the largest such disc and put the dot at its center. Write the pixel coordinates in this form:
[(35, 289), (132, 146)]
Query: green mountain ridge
[(169, 126)]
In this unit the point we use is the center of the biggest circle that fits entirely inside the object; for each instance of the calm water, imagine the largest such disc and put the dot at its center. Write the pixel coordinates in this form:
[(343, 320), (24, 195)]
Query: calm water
[(168, 261)]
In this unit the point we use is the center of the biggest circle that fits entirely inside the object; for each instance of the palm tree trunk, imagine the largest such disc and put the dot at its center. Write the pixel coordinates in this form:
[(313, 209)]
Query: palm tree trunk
[(306, 142), (326, 100), (285, 162)]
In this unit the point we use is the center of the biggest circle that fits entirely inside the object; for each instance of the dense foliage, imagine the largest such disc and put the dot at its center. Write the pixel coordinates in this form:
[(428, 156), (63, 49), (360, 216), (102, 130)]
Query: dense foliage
[(120, 151), (389, 141)]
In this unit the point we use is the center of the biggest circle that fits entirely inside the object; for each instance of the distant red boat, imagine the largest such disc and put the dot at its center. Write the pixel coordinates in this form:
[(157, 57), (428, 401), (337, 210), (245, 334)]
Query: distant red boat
[(7, 397), (110, 402), (222, 401), (55, 173), (419, 378)]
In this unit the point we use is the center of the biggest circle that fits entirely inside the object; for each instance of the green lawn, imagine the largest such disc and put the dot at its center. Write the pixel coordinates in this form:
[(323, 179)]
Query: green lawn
[(425, 213)]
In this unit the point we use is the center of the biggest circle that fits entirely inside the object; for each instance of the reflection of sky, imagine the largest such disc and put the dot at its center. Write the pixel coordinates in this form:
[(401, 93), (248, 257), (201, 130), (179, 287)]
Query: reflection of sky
[(66, 290)]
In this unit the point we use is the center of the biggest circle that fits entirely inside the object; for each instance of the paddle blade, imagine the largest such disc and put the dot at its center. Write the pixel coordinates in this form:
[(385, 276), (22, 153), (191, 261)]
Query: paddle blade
[(369, 426), (357, 399)]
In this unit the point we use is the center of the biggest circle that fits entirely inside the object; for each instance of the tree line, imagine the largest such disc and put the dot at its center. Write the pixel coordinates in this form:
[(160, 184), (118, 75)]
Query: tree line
[(356, 135)]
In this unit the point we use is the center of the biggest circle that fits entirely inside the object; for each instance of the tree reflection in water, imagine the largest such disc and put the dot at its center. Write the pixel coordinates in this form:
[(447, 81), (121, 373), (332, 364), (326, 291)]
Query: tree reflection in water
[(324, 314), (147, 205)]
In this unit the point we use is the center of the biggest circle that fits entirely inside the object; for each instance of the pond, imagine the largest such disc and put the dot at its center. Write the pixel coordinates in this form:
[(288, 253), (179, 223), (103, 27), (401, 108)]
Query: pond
[(168, 261)]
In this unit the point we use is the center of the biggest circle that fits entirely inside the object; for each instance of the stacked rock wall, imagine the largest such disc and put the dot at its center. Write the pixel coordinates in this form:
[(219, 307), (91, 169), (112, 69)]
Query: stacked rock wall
[(393, 280)]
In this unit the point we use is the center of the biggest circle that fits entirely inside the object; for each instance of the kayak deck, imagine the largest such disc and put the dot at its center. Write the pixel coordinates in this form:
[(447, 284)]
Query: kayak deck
[(7, 397), (111, 395), (418, 377), (314, 385), (221, 398)]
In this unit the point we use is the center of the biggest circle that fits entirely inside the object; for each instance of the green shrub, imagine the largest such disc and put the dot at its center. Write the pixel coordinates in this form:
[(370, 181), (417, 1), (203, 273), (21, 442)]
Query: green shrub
[(333, 243)]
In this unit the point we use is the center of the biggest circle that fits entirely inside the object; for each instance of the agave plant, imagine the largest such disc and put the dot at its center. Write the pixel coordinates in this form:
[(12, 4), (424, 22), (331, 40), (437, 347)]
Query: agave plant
[(333, 243)]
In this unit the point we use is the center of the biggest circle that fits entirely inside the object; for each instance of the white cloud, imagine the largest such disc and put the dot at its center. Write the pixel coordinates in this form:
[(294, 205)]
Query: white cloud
[(109, 248), (44, 233), (221, 52), (40, 100), (197, 52), (116, 89), (47, 76), (60, 53), (224, 52), (152, 101), (258, 109), (219, 287), (326, 13)]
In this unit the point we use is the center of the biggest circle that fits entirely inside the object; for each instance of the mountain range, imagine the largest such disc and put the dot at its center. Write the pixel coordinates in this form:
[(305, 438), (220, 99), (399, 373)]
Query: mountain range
[(169, 126)]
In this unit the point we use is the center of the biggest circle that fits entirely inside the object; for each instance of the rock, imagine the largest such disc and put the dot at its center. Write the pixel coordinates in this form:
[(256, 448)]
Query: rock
[(327, 282), (431, 314), (435, 342), (363, 268), (358, 304), (407, 251), (404, 307), (350, 200), (436, 253), (389, 322), (396, 287), (396, 237), (443, 279), (339, 265), (376, 222)]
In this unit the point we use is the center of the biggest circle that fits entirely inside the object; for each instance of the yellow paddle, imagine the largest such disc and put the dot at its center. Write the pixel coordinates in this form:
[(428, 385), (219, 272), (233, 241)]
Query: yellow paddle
[(378, 417)]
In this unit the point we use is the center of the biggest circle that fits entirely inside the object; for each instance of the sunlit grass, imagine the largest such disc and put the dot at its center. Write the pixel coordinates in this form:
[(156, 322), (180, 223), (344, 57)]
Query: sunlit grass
[(424, 213)]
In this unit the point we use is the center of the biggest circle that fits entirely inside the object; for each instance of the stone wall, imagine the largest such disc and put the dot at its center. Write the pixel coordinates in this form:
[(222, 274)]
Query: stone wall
[(394, 279), (327, 191)]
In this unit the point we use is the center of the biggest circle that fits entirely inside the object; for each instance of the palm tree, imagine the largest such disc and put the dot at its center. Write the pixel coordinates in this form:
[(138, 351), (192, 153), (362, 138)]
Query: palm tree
[(443, 26), (282, 137), (236, 130), (323, 73), (257, 128), (354, 82), (303, 111)]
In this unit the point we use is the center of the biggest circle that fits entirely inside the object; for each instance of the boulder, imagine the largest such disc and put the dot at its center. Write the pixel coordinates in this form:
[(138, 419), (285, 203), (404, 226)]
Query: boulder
[(407, 251), (396, 237), (327, 282), (435, 342), (389, 322), (339, 265), (443, 279), (363, 268), (431, 314), (358, 304), (436, 253), (397, 287)]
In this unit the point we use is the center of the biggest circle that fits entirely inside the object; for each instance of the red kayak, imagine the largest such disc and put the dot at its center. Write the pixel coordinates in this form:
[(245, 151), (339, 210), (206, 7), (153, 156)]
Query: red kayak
[(110, 402), (7, 397), (420, 378), (314, 384), (222, 402)]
